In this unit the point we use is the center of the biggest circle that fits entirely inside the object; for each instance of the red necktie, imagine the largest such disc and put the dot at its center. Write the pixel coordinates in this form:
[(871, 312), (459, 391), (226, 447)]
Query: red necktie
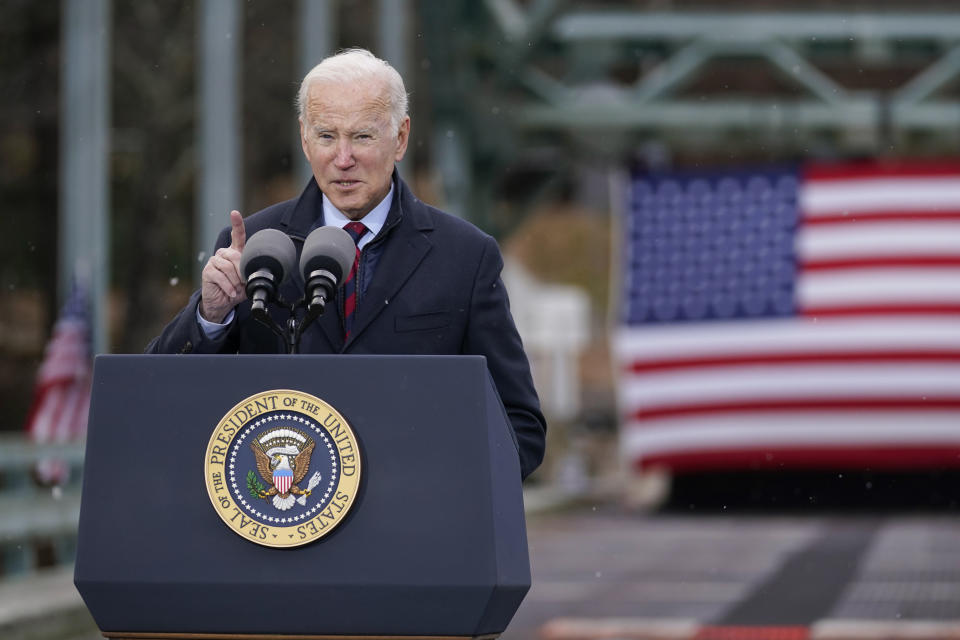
[(356, 231)]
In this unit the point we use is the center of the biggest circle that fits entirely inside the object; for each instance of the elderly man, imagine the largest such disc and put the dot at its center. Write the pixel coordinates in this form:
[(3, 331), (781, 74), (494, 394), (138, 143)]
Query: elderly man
[(425, 282)]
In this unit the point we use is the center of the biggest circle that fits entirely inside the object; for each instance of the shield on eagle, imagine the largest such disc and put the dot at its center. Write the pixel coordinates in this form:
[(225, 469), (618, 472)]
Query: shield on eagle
[(282, 479)]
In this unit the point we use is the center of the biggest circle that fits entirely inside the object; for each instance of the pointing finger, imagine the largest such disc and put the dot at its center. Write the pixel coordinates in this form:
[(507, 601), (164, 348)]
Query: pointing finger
[(238, 233)]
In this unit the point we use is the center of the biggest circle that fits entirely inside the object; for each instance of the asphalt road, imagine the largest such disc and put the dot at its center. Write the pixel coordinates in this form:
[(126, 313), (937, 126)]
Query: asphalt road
[(758, 562)]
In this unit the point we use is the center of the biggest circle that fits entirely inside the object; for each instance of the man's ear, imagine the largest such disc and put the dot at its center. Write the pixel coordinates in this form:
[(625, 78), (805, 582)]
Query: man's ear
[(403, 137), (303, 138)]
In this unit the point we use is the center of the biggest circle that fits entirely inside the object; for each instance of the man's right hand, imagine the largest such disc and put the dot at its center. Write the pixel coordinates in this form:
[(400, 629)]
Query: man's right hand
[(221, 283)]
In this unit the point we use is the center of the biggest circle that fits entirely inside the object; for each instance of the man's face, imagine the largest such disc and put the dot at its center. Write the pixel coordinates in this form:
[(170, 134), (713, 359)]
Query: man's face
[(347, 138)]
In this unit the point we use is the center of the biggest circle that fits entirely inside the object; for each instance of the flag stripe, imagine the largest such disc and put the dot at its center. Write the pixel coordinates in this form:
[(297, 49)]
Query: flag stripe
[(859, 456), (764, 436), (901, 217), (787, 335), (846, 172), (879, 194), (718, 384), (888, 262), (877, 240), (773, 428), (893, 357), (813, 403), (885, 286), (881, 310)]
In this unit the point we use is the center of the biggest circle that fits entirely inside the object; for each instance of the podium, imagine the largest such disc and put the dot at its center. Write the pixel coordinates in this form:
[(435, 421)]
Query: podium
[(433, 544)]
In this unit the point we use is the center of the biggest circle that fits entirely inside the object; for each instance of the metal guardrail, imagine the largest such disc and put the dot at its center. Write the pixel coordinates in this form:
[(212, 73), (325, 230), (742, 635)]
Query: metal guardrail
[(38, 539), (38, 524)]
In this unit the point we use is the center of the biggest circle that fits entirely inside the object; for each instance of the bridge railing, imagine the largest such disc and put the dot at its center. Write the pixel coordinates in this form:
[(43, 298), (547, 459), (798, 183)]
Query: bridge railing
[(38, 523)]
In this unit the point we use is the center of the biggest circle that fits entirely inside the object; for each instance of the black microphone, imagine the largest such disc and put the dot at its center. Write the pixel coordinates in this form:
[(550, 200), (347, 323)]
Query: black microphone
[(268, 258), (327, 258)]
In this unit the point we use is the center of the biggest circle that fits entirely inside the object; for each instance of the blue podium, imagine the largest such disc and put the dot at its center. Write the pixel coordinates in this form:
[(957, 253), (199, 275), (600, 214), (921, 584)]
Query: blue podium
[(429, 542)]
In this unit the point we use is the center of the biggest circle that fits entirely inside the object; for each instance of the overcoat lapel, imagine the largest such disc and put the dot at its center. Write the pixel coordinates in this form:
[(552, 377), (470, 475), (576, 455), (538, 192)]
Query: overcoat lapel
[(401, 257)]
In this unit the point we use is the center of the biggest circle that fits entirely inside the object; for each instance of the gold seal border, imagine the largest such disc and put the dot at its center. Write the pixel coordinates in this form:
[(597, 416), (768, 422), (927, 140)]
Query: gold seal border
[(215, 468)]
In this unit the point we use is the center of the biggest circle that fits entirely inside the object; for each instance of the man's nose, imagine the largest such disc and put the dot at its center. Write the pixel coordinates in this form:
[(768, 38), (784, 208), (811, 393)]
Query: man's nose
[(344, 158)]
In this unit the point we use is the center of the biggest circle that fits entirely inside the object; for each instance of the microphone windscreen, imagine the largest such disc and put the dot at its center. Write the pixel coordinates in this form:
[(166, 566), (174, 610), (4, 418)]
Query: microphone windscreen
[(330, 248), (270, 249)]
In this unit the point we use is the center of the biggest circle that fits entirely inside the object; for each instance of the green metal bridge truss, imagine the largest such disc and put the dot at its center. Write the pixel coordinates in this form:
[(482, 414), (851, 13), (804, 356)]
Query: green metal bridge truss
[(534, 90)]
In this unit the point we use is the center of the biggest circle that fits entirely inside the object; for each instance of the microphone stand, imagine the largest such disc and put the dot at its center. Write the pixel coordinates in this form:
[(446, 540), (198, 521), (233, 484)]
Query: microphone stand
[(293, 328), (320, 286)]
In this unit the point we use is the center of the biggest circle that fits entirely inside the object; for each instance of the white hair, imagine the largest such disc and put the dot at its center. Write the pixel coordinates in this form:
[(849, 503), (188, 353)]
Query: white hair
[(358, 65)]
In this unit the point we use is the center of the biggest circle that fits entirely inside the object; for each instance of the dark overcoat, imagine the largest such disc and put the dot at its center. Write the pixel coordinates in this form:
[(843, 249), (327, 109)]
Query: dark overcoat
[(429, 283)]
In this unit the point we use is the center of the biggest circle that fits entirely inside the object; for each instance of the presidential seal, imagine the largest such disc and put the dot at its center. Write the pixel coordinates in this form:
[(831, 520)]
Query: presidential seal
[(282, 468)]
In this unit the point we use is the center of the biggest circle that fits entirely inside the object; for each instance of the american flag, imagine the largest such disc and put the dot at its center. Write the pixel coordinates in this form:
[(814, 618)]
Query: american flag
[(805, 316), (61, 397)]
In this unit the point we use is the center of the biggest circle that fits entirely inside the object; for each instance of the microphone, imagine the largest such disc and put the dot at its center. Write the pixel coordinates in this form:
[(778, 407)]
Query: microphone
[(268, 258), (327, 257)]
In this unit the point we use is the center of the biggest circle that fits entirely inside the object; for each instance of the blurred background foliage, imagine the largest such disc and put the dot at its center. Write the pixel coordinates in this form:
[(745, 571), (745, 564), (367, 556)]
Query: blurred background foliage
[(537, 170)]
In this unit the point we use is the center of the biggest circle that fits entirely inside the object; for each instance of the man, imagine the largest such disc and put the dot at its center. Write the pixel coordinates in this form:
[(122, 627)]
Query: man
[(425, 282)]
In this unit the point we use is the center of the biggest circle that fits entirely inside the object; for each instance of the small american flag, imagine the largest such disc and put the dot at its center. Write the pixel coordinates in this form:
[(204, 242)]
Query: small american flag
[(802, 316), (61, 396)]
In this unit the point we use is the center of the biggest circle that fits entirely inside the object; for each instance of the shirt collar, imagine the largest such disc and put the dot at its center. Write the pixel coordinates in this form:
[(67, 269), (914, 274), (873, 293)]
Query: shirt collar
[(374, 220)]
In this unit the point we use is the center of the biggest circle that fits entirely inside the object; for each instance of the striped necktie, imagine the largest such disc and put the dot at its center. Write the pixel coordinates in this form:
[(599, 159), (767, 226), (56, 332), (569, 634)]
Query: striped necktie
[(356, 231)]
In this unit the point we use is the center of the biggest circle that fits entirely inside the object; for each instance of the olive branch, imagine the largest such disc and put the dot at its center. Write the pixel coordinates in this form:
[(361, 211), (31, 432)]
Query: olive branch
[(254, 486)]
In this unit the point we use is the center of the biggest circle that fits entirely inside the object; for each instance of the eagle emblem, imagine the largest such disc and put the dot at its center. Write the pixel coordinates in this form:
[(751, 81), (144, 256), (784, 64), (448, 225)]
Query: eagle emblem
[(283, 460)]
